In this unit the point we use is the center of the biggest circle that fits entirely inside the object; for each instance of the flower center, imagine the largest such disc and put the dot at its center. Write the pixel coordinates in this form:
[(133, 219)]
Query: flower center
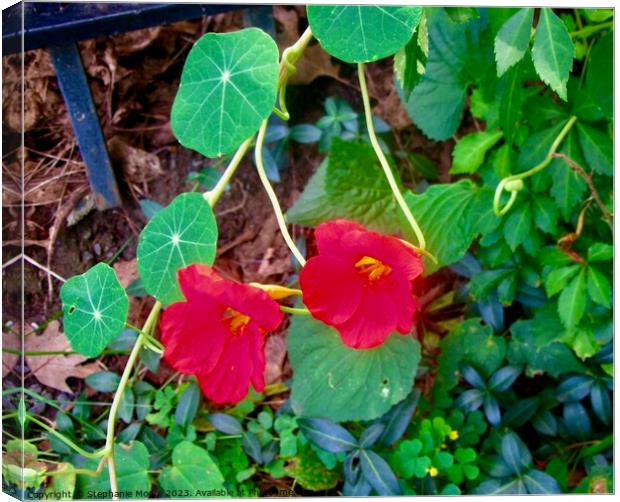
[(235, 321), (372, 267)]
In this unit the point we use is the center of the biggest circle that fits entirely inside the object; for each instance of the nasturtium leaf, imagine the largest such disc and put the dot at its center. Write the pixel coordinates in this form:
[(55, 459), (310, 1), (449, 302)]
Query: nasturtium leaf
[(597, 149), (572, 301), (468, 154), (339, 383), (362, 33), (513, 39), (95, 307), (132, 465), (450, 216), (183, 233), (193, 474), (599, 287), (553, 52), (228, 87)]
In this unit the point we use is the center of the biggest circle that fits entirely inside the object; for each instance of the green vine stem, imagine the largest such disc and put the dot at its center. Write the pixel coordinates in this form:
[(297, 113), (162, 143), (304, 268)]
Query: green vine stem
[(64, 439), (514, 183), (293, 310), (260, 167), (383, 161), (290, 56), (589, 30), (149, 325), (214, 194)]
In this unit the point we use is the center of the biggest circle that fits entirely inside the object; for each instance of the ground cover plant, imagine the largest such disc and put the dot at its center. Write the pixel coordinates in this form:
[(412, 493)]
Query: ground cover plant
[(448, 329)]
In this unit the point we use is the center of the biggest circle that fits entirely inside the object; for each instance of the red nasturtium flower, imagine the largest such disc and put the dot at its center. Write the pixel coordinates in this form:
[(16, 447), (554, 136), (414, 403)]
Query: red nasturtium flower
[(360, 283), (218, 333)]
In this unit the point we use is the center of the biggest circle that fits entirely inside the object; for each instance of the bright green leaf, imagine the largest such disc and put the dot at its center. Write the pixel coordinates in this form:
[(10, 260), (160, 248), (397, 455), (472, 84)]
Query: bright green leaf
[(599, 287), (462, 14), (557, 279), (132, 465), (545, 213), (193, 472), (362, 33), (572, 301), (552, 52), (600, 252), (568, 187), (469, 152), (410, 61), (436, 103), (597, 149), (513, 39), (357, 187), (183, 233), (336, 382), (450, 216), (228, 87), (95, 308), (518, 225), (599, 74)]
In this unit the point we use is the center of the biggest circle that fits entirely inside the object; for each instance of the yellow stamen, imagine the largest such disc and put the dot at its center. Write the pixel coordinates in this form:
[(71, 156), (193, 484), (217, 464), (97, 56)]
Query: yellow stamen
[(236, 321), (374, 268)]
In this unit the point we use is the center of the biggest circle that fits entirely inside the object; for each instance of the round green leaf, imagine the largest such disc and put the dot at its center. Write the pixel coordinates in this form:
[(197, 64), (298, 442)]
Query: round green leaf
[(362, 33), (228, 87), (95, 307), (336, 382), (132, 465), (183, 233), (193, 474)]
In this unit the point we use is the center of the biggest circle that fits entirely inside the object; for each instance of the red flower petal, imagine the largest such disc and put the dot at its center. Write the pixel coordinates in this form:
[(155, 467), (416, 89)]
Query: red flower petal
[(193, 341), (326, 283), (365, 301), (217, 334)]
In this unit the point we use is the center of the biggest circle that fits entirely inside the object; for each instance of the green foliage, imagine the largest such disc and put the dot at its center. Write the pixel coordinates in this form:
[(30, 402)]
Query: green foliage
[(94, 306), (192, 474), (228, 87), (359, 34), (184, 232), (513, 39), (468, 154), (451, 216), (553, 52), (328, 374), (132, 465), (331, 194)]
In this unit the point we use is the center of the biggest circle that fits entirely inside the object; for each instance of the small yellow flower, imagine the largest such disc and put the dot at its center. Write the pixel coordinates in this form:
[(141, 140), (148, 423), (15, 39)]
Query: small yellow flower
[(432, 471), (443, 446), (454, 435)]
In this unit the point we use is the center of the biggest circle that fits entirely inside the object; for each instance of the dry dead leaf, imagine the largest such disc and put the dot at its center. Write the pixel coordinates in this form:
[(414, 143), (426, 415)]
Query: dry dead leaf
[(138, 165), (53, 371), (10, 340), (126, 271), (275, 354)]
